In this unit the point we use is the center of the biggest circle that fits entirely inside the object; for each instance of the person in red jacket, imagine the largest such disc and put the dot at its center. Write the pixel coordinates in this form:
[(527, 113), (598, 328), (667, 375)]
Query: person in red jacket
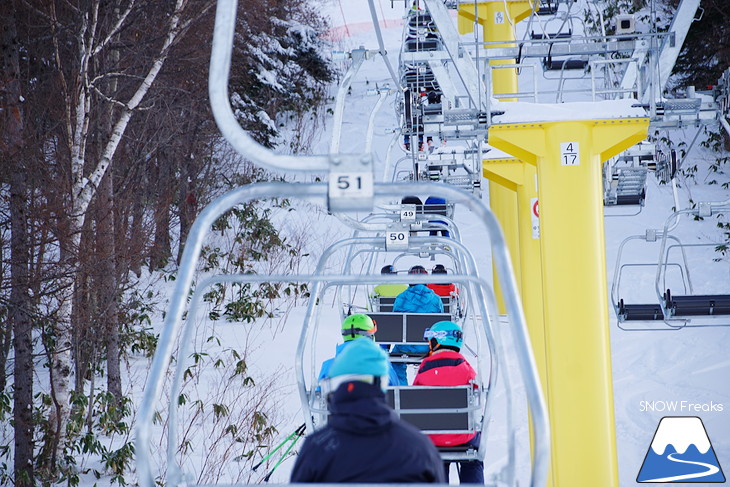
[(448, 289), (445, 366)]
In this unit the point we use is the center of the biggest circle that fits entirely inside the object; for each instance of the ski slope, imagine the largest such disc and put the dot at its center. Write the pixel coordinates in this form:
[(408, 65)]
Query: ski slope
[(651, 369)]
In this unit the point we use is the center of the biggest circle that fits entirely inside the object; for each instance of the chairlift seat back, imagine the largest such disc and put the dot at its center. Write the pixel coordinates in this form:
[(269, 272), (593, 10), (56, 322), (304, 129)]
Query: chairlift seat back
[(405, 327), (435, 410), (384, 304), (563, 64), (557, 35), (698, 305), (416, 45)]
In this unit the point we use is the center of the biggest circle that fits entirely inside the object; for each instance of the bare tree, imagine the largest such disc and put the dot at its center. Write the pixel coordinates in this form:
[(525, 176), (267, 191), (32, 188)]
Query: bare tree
[(79, 36), (11, 129), (115, 140)]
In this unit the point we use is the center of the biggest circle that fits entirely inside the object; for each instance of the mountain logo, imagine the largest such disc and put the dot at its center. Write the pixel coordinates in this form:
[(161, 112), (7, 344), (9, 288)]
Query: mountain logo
[(680, 452)]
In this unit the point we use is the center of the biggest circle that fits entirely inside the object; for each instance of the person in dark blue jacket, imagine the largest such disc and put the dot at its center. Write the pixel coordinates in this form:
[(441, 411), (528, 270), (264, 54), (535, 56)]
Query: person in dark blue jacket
[(418, 298), (364, 441)]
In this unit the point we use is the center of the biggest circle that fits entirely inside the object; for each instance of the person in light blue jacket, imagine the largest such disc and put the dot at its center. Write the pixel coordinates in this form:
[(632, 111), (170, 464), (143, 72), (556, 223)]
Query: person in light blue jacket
[(354, 327), (416, 299)]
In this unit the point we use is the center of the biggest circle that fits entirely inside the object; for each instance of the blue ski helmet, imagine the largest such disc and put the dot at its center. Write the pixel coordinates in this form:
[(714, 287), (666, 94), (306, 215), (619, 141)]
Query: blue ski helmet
[(435, 200), (361, 357), (446, 334)]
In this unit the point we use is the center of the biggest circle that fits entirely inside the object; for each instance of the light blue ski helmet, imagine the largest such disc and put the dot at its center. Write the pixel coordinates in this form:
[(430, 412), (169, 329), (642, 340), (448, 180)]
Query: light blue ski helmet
[(446, 334), (360, 357)]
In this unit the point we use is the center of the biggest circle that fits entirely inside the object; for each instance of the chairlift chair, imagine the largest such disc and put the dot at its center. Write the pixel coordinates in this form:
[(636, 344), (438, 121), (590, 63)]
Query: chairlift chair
[(439, 410), (420, 34), (625, 176), (678, 303), (698, 307), (408, 328), (547, 7), (416, 218), (469, 415), (645, 314)]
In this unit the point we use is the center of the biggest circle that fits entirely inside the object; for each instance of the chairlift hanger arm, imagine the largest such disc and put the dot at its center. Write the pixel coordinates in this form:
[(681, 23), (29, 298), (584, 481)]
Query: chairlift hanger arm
[(381, 45), (358, 57), (220, 67), (371, 121), (724, 123), (669, 51)]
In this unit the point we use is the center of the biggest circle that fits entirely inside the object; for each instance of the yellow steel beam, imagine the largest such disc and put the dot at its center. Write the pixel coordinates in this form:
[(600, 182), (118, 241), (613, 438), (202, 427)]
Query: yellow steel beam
[(503, 203), (521, 178), (518, 10)]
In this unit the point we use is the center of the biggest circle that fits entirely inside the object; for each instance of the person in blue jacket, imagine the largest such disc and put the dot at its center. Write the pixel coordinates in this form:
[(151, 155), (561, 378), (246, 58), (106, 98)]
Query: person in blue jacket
[(436, 200), (357, 326), (364, 441), (418, 298)]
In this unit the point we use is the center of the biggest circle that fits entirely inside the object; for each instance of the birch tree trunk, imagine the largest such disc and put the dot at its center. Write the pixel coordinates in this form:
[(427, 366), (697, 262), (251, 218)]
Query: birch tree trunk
[(106, 246), (87, 173)]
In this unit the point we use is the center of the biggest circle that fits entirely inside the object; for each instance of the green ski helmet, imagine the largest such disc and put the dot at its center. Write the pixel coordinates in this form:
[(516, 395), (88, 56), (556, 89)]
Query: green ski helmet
[(358, 325), (444, 334)]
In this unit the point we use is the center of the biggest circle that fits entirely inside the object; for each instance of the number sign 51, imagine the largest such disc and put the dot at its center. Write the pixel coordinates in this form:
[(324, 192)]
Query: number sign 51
[(350, 184)]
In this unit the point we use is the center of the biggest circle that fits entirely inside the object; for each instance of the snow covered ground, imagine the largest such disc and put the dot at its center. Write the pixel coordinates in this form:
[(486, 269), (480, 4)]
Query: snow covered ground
[(656, 373)]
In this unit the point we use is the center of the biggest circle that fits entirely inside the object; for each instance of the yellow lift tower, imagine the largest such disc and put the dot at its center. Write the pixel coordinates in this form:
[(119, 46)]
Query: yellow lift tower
[(568, 157), (518, 179), (560, 261), (498, 19)]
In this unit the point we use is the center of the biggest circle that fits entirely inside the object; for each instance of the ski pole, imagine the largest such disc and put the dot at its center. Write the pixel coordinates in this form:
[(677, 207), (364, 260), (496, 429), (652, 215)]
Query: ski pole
[(299, 431)]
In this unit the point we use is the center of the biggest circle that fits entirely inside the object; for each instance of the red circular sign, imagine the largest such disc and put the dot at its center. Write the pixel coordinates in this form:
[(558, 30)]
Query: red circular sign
[(535, 209)]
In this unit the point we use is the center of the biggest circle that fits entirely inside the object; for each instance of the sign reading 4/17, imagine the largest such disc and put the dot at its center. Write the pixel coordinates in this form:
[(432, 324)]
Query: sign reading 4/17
[(569, 154)]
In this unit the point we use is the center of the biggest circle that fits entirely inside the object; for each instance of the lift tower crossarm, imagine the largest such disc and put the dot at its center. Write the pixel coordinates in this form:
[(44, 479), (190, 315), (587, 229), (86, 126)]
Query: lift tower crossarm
[(576, 46)]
